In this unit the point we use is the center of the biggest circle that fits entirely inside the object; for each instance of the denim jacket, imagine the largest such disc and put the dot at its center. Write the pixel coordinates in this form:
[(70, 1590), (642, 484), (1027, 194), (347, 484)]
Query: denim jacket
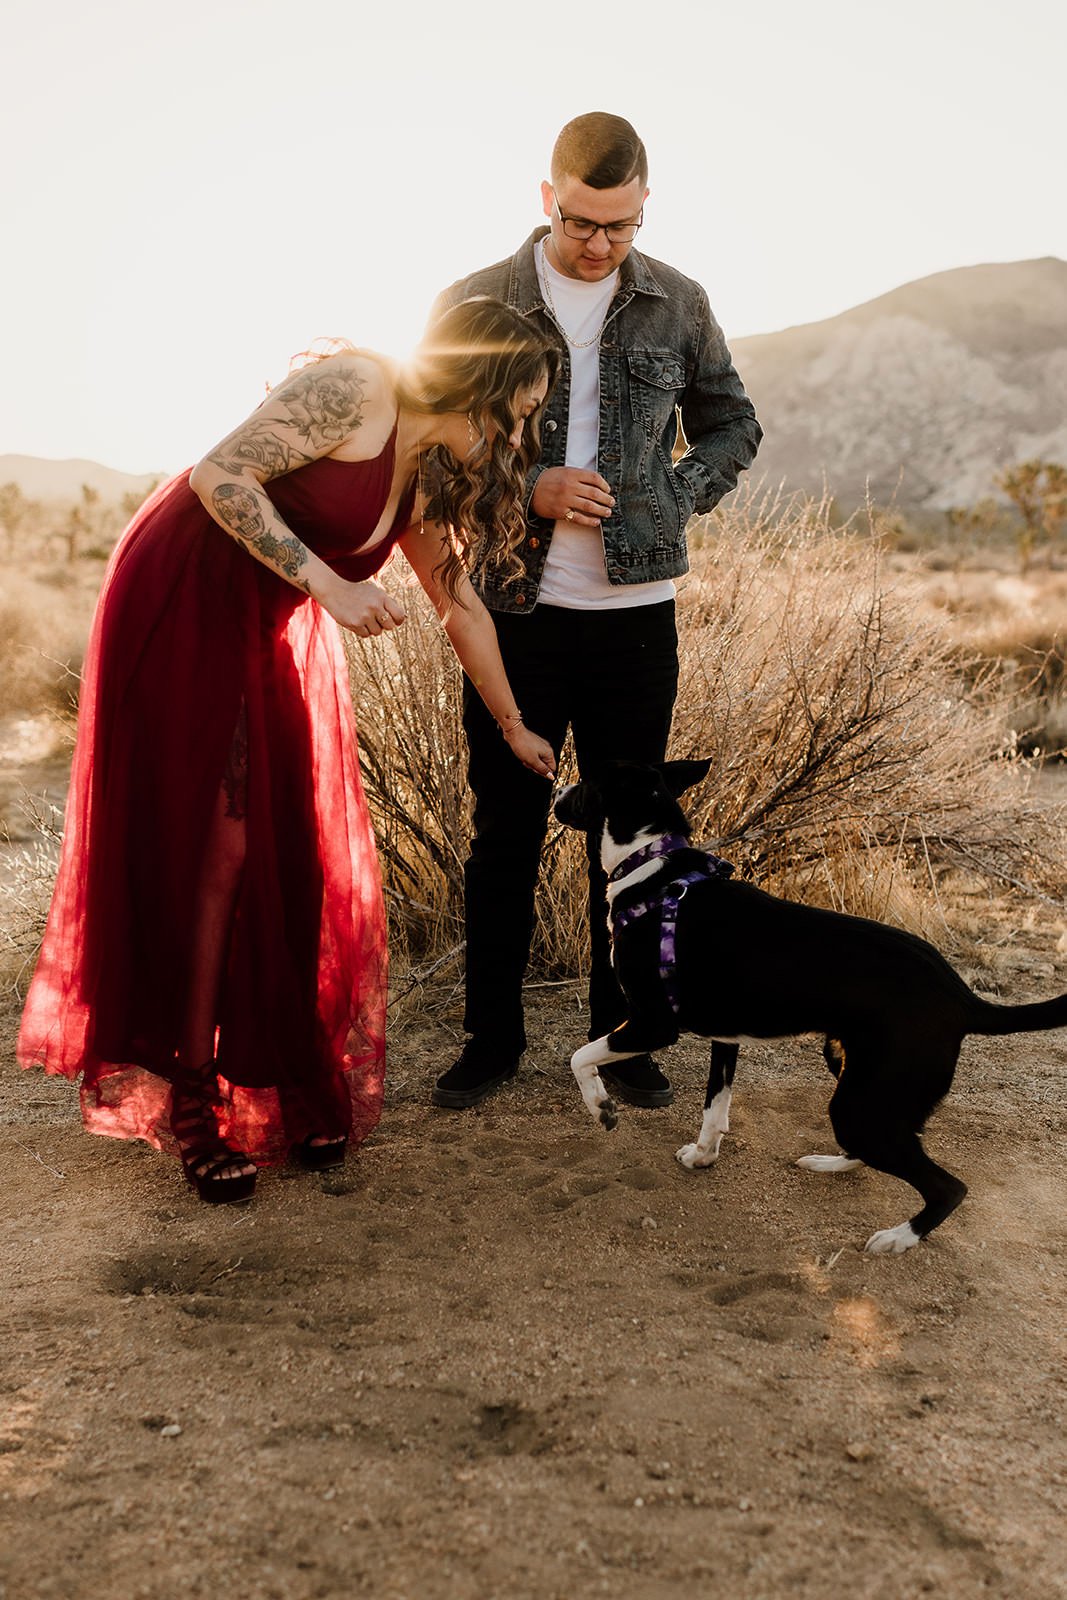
[(661, 354)]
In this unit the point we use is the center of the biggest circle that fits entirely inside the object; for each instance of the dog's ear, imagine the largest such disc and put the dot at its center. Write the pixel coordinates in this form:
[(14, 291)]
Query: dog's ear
[(681, 775)]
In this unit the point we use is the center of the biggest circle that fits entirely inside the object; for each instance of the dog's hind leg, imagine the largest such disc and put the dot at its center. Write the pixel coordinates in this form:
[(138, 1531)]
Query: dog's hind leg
[(829, 1163), (865, 1119), (904, 1157), (833, 1053), (716, 1120)]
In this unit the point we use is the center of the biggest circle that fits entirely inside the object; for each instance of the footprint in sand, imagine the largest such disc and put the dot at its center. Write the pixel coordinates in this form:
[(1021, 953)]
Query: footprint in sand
[(641, 1178)]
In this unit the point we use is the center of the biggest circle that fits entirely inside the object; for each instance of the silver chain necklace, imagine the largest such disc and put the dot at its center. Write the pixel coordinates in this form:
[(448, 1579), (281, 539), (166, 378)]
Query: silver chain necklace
[(575, 344)]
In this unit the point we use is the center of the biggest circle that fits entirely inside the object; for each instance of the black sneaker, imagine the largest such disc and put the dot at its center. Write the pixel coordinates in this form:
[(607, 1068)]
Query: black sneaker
[(475, 1075), (639, 1081)]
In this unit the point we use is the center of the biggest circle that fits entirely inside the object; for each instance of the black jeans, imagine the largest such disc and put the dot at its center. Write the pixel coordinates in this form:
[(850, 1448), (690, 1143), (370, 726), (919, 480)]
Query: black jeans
[(612, 677)]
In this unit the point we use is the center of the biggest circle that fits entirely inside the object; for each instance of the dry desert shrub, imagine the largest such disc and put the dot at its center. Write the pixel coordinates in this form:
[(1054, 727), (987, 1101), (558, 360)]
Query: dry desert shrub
[(838, 721), (406, 694), (850, 759)]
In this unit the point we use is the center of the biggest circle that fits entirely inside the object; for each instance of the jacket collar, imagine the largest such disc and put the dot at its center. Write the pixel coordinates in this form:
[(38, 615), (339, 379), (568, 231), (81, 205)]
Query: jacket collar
[(524, 291)]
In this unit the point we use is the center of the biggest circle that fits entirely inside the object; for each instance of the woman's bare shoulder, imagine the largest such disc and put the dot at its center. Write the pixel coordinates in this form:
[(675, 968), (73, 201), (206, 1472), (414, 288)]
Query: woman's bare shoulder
[(373, 373), (348, 394), (349, 371)]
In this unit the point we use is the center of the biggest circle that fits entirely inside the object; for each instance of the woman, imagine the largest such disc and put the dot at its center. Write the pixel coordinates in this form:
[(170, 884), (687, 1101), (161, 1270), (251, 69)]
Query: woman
[(214, 961)]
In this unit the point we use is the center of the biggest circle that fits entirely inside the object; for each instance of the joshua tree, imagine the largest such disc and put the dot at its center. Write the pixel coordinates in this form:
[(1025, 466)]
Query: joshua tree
[(134, 499), (979, 519), (1038, 490), (13, 509), (81, 519)]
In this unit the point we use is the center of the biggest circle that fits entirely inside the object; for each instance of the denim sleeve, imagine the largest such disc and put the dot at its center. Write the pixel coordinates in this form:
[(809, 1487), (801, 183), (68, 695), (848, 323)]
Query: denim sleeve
[(718, 418), (445, 301), (529, 513)]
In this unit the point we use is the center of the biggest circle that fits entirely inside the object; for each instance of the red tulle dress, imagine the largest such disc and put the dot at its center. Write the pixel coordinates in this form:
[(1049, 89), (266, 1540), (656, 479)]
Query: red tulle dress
[(192, 641)]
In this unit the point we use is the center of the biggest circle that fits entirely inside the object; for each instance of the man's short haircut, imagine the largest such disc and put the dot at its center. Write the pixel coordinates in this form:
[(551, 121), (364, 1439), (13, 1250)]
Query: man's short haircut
[(599, 150)]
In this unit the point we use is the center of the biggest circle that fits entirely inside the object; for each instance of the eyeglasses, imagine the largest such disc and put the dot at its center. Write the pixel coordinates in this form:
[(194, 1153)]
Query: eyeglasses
[(614, 232)]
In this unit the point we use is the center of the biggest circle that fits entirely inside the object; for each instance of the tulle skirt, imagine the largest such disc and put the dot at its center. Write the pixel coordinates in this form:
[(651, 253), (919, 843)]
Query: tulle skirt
[(192, 640)]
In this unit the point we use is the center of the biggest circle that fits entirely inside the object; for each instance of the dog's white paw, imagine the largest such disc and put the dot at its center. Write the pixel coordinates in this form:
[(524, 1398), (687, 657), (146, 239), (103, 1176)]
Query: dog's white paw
[(892, 1241), (828, 1163), (608, 1114), (691, 1156)]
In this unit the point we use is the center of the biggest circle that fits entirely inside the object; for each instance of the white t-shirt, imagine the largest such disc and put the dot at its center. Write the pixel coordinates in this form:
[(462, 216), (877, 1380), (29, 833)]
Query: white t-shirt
[(575, 574)]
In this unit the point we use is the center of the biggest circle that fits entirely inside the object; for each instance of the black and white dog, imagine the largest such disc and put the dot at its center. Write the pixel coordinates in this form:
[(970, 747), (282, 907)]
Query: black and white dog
[(697, 952)]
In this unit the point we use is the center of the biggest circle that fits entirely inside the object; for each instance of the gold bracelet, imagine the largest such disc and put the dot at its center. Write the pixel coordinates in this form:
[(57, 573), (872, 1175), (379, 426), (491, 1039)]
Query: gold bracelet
[(509, 724)]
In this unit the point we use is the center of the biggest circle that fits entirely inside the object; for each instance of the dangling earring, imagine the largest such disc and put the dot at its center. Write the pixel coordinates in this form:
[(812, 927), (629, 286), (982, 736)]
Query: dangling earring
[(472, 432)]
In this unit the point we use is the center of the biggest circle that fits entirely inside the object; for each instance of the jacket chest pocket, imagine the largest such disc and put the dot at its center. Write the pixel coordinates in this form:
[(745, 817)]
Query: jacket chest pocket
[(657, 380)]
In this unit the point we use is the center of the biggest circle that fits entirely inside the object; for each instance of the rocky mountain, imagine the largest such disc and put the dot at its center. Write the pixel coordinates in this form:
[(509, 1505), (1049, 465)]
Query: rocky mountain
[(923, 394), (53, 482)]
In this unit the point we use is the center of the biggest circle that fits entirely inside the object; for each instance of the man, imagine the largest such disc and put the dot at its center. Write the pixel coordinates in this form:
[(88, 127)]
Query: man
[(587, 633)]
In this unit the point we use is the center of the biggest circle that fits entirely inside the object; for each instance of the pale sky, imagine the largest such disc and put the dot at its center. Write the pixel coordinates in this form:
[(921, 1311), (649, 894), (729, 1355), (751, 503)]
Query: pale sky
[(193, 191)]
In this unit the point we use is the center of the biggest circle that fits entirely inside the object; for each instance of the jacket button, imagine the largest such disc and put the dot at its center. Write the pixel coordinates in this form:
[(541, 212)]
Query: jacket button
[(533, 542), (520, 599), (550, 426)]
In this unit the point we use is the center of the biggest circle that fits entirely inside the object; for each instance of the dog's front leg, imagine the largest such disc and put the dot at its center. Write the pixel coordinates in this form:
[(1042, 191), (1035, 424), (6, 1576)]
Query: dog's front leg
[(716, 1119), (585, 1064)]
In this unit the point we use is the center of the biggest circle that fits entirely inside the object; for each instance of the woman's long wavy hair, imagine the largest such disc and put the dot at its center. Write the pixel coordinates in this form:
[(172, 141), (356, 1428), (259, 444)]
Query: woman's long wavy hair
[(480, 358)]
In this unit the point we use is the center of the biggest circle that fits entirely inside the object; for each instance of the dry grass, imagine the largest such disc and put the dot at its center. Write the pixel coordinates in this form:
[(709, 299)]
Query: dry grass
[(44, 625), (45, 611), (27, 870), (1018, 621)]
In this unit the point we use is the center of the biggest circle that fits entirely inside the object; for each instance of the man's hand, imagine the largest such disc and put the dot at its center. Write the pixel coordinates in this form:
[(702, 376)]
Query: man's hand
[(583, 498)]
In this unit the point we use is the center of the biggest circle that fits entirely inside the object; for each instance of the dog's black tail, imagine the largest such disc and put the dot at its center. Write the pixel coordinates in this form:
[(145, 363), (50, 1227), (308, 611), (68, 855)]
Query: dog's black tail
[(988, 1018)]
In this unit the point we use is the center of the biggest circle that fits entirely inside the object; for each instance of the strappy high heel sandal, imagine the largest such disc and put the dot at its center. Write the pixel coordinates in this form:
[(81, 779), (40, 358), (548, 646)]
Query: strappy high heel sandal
[(206, 1160), (320, 1157)]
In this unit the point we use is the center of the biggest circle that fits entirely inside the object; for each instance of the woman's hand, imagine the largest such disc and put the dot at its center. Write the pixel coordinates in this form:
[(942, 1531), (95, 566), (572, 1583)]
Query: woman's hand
[(363, 608), (535, 753)]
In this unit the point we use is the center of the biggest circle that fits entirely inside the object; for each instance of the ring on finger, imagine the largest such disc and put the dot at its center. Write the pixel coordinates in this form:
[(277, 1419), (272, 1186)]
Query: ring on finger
[(569, 514)]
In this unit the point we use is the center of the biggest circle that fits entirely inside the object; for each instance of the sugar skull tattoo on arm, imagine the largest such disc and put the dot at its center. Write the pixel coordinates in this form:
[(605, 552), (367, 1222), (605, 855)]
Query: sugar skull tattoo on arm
[(239, 509)]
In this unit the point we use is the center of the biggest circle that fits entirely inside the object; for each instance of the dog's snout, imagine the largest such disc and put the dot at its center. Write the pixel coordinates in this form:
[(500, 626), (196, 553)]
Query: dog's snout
[(560, 802)]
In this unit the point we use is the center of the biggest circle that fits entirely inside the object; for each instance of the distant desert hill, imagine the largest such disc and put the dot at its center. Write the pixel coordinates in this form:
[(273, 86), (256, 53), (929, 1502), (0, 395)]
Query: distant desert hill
[(55, 481), (926, 392)]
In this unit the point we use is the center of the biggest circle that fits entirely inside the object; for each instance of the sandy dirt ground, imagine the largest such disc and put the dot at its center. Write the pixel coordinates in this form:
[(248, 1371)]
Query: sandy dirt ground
[(505, 1354)]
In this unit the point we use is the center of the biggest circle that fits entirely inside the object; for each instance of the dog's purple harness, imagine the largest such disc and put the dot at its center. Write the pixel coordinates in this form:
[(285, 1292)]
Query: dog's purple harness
[(668, 898)]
